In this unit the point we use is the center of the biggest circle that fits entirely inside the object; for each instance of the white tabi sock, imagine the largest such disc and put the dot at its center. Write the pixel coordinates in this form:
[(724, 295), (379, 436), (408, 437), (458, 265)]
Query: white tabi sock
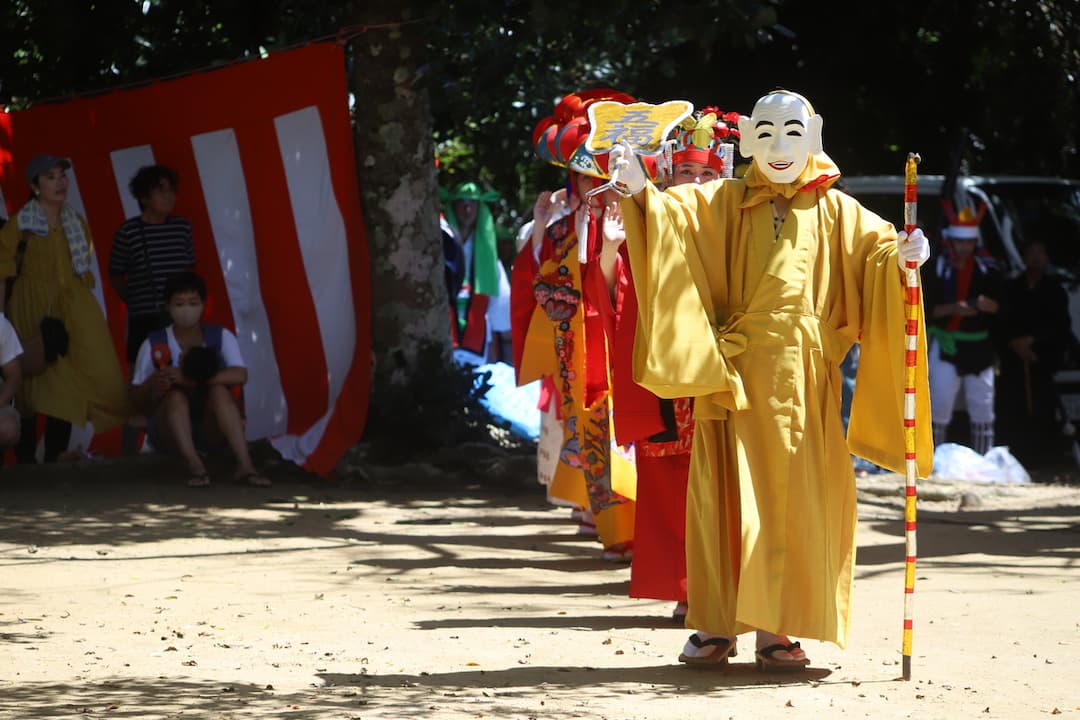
[(691, 650)]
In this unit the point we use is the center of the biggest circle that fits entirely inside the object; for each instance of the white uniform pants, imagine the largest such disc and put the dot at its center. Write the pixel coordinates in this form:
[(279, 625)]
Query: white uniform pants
[(945, 386)]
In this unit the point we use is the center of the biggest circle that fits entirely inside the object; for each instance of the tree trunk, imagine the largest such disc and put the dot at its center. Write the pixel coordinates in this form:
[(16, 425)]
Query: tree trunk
[(399, 190)]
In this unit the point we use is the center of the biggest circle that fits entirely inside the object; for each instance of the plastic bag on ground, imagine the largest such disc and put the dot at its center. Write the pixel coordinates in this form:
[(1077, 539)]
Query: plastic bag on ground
[(506, 401), (958, 462)]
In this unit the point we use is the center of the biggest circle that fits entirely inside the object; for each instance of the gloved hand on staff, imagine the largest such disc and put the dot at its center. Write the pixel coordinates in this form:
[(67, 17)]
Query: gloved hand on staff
[(631, 174), (912, 248)]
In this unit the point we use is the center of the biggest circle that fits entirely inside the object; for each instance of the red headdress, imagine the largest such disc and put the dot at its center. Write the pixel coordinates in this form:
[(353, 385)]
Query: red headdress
[(965, 224), (560, 138), (709, 137)]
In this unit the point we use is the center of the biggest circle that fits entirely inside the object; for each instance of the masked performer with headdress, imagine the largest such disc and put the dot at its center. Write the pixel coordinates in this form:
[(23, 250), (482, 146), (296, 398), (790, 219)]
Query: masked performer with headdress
[(750, 293), (962, 290), (479, 291), (558, 333), (661, 430)]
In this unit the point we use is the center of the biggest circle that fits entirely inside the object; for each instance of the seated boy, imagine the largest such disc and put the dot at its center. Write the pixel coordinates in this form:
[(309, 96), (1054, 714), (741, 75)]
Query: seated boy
[(182, 381), (11, 370)]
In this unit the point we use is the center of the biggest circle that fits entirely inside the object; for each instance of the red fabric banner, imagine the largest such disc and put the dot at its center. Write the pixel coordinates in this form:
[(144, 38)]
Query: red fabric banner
[(267, 178)]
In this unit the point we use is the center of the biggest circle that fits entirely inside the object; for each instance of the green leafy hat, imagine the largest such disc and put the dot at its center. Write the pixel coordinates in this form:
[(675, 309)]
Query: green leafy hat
[(468, 191), (485, 250)]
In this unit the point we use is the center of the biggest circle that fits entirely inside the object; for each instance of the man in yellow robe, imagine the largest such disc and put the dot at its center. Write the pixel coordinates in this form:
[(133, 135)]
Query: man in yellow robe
[(751, 292)]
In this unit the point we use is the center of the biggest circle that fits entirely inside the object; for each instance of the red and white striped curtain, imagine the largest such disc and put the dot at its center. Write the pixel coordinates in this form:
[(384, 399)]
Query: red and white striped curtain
[(265, 156)]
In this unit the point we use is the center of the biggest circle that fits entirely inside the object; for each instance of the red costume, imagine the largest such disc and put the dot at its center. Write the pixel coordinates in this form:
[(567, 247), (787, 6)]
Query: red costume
[(661, 430), (558, 335)]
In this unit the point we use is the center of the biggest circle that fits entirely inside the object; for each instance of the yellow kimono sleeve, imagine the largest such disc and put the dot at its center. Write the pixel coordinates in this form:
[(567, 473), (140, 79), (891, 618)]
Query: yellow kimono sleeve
[(676, 351), (9, 244), (88, 277), (538, 357), (876, 430)]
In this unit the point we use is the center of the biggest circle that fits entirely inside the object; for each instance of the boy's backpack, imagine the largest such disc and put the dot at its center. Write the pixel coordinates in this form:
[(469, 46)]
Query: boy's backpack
[(159, 344), (211, 339)]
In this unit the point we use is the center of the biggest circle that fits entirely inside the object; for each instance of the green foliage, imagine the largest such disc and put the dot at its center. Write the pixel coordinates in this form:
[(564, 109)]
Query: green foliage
[(884, 74), (501, 72), (434, 404), (62, 47), (910, 75), (887, 77)]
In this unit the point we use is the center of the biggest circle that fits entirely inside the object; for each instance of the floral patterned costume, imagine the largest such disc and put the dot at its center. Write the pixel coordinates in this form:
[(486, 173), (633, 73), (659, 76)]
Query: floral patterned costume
[(558, 336)]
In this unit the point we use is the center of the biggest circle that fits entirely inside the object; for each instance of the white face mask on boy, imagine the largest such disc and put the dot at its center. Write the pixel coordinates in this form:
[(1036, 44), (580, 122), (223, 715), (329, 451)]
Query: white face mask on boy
[(186, 316)]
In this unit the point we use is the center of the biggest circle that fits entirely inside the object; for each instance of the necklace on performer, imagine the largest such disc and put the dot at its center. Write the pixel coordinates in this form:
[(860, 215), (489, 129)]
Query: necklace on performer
[(777, 219)]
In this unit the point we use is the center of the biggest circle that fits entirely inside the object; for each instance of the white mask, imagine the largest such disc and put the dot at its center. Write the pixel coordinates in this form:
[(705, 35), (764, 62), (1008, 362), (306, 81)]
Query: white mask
[(186, 316), (780, 136)]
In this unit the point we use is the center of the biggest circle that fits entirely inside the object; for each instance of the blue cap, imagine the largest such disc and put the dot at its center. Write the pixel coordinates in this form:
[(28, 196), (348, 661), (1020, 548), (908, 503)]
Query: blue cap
[(42, 164)]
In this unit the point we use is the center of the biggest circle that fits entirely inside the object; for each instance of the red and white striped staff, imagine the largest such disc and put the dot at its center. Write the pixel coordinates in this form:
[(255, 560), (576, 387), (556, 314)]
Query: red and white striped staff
[(911, 307)]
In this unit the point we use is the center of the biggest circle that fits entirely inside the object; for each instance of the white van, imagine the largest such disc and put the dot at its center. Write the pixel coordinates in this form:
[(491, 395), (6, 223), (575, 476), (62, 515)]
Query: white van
[(1018, 208)]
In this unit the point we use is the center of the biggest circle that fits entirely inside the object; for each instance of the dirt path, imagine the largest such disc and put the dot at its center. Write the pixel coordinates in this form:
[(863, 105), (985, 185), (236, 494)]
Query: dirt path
[(124, 595)]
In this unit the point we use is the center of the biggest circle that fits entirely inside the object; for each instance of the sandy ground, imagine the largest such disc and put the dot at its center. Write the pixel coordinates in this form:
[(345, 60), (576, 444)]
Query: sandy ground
[(124, 594)]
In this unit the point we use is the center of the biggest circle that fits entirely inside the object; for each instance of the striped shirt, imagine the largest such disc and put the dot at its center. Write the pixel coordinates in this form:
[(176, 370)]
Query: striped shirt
[(147, 255)]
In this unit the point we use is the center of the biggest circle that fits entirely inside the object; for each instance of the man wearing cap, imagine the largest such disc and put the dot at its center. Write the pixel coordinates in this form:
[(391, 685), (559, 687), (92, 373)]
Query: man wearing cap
[(962, 289), (750, 292), (46, 251)]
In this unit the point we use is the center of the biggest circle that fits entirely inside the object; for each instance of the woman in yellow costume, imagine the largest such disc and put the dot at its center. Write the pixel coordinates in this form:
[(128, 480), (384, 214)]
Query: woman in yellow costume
[(558, 334), (46, 251), (751, 291)]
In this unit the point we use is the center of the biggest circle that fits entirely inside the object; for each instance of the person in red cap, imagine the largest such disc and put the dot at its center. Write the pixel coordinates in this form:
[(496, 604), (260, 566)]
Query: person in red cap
[(660, 429), (962, 290), (558, 335), (702, 148)]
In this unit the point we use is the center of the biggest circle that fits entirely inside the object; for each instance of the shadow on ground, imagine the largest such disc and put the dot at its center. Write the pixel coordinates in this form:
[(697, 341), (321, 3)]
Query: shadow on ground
[(139, 501), (1052, 532), (129, 502), (171, 697), (498, 693)]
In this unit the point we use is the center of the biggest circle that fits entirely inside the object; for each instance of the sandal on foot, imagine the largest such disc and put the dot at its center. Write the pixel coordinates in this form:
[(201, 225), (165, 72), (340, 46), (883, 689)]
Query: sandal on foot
[(678, 615), (725, 648), (198, 480), (252, 478), (766, 658)]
